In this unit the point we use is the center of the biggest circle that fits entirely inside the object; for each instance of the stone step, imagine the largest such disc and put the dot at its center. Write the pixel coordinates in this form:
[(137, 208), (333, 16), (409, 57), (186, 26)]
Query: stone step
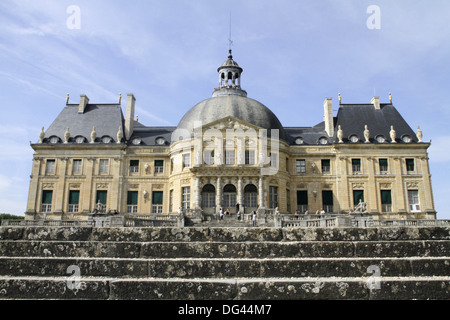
[(183, 249), (226, 268), (258, 290), (223, 234)]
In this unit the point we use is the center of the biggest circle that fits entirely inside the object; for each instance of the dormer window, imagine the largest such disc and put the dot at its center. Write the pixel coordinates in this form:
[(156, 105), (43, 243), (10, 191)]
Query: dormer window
[(106, 139), (323, 140), (55, 139), (380, 139), (406, 139), (353, 138), (136, 141), (160, 141)]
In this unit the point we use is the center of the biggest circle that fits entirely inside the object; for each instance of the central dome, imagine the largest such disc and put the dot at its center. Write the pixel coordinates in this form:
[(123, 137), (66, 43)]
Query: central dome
[(235, 106), (229, 100)]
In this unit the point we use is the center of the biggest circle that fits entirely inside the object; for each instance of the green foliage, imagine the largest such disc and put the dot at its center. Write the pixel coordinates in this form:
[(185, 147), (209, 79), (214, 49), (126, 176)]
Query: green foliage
[(7, 216)]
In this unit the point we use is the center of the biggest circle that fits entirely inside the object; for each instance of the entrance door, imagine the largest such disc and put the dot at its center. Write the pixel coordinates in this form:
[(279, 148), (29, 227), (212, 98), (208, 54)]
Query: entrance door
[(250, 198), (229, 198)]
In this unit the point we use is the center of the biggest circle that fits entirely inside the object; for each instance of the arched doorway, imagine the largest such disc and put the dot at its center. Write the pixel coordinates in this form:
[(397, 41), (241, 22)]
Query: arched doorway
[(250, 198), (208, 198), (229, 198)]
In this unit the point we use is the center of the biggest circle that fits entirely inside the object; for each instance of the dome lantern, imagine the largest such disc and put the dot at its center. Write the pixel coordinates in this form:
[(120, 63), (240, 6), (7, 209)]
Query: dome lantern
[(229, 79)]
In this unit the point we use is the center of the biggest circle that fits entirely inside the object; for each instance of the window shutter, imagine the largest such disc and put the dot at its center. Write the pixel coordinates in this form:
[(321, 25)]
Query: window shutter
[(157, 197), (74, 197), (159, 163), (132, 198), (47, 196), (302, 197), (386, 197), (327, 198)]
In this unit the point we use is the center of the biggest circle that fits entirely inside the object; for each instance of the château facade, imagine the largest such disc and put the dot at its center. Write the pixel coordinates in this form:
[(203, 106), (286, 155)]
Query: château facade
[(228, 150)]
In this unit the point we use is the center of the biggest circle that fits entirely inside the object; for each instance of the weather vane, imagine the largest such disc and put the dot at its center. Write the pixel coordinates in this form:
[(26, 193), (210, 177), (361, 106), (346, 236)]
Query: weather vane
[(230, 42)]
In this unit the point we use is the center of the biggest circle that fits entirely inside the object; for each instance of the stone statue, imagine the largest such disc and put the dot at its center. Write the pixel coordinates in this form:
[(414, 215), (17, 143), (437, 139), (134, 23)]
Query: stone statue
[(393, 135), (361, 207), (419, 134), (41, 135), (66, 136), (119, 135), (366, 134), (340, 134), (93, 135)]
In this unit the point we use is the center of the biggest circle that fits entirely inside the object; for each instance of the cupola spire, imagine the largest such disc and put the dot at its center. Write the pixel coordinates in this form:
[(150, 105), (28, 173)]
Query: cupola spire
[(229, 78)]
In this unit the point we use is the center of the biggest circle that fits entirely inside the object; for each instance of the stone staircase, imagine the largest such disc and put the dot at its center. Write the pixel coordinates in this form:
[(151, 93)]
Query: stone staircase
[(224, 263)]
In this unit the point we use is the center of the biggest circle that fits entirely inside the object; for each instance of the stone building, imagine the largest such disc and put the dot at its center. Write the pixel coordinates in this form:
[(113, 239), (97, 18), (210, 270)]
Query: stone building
[(228, 150)]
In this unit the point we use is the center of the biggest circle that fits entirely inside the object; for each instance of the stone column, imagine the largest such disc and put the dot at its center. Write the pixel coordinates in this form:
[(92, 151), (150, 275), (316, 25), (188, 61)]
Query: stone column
[(240, 193), (219, 192), (261, 192), (372, 188), (197, 199), (60, 188), (398, 190)]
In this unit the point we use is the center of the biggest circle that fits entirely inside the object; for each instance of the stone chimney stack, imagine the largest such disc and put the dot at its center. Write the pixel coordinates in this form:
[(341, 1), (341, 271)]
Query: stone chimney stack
[(376, 102), (84, 100), (129, 117), (328, 116)]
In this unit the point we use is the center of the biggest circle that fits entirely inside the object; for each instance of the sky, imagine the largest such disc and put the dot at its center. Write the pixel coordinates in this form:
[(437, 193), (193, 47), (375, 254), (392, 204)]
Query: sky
[(294, 55)]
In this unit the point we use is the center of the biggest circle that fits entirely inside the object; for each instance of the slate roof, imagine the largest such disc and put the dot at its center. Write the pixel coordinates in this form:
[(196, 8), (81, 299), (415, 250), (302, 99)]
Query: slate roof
[(105, 117), (353, 117)]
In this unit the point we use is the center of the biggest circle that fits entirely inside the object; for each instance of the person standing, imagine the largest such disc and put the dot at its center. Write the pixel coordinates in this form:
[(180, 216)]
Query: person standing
[(254, 218)]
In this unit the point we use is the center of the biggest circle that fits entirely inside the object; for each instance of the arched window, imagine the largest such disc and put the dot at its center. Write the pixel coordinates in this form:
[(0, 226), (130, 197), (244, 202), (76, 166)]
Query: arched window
[(229, 196), (208, 196), (250, 196)]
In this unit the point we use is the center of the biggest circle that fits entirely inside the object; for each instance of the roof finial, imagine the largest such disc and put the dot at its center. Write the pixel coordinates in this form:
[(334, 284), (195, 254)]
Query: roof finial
[(230, 42)]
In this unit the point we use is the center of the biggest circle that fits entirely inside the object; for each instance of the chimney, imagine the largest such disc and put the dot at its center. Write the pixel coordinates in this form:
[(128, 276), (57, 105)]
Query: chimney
[(84, 100), (328, 116), (129, 117), (376, 102)]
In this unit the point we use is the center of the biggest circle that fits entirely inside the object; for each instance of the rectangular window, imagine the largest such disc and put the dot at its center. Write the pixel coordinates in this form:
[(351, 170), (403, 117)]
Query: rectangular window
[(186, 198), (273, 197), (413, 200), (104, 166), (157, 201), (302, 200), (327, 200), (47, 196), (186, 160), (358, 196), (356, 165), (74, 198), (159, 166), (250, 157), (383, 165), (134, 166), (410, 165), (229, 157), (76, 166), (132, 201), (326, 167), (274, 160), (50, 167), (100, 202), (300, 166), (208, 157), (386, 201)]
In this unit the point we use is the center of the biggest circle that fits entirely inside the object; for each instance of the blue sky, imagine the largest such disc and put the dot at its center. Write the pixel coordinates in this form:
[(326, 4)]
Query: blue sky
[(294, 55)]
